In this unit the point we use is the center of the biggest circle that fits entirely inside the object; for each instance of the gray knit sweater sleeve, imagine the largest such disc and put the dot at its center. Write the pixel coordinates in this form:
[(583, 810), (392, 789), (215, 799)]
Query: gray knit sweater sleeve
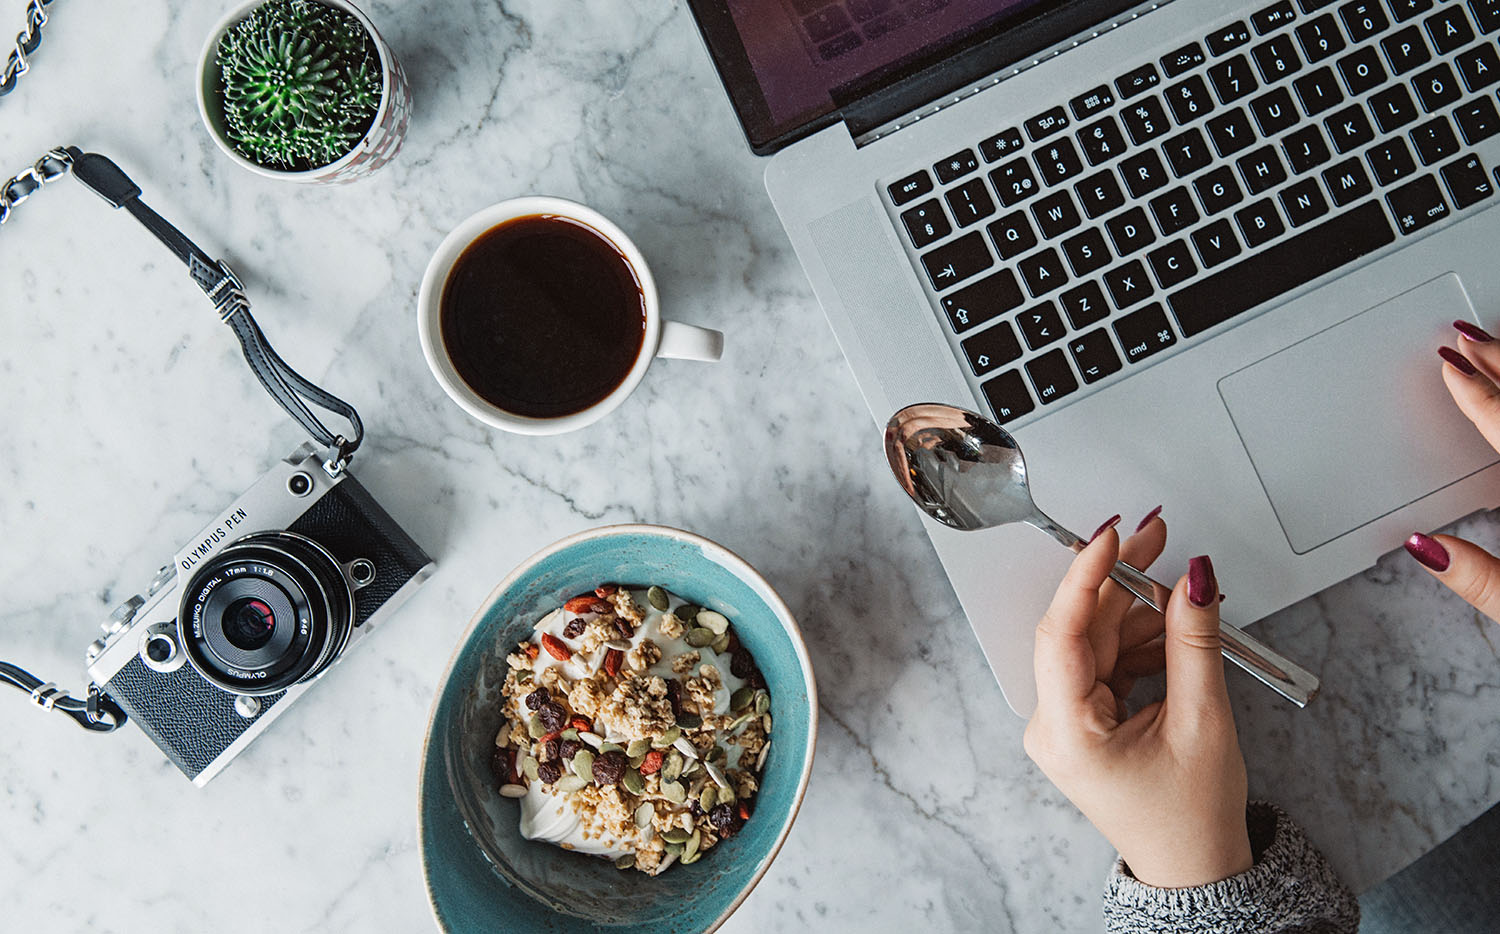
[(1291, 889)]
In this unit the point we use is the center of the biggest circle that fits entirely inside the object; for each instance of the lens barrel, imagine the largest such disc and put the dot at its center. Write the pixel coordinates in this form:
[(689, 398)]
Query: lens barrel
[(265, 613)]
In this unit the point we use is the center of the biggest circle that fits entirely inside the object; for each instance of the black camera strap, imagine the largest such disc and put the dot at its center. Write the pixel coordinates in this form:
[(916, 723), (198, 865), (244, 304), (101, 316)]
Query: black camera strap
[(290, 390)]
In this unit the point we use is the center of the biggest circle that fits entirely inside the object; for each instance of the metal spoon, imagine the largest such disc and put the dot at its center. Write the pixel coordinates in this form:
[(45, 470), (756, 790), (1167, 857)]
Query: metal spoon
[(968, 473)]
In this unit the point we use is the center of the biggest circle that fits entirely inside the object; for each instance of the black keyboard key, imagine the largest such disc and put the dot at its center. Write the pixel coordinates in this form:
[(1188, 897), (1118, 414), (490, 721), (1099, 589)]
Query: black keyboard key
[(954, 262), (1012, 235), (1014, 182), (1137, 81), (826, 23), (1187, 153), (1417, 204), (1091, 102), (956, 166), (1230, 37), (1083, 304), (1002, 144), (1347, 182), (1405, 50), (1261, 170), (1391, 161), (1320, 38), (1130, 231), (1216, 243), (911, 187), (1040, 325), (1349, 129), (1477, 120), (1008, 397), (1174, 211), (1143, 333), (1055, 214), (1305, 149), (1189, 99), (1318, 91), (1362, 70), (1232, 79), (1276, 59), (1449, 30), (1184, 59), (1172, 264), (1273, 17), (1145, 120), (1467, 182), (1276, 270), (1101, 140), (1479, 66), (1042, 272), (1404, 10), (983, 301), (1313, 6), (1086, 252), (1094, 355), (1434, 140), (1143, 173), (1099, 194), (1259, 223), (970, 202), (1218, 190), (1437, 88), (1128, 284), (1486, 14), (1363, 19), (1058, 161), (1231, 131), (1046, 123), (1274, 111), (1051, 376), (926, 223), (1393, 108), (842, 44), (1304, 202), (992, 348)]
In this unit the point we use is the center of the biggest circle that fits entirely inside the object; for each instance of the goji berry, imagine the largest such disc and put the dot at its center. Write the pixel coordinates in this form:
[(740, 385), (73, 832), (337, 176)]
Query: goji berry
[(555, 647), (652, 764)]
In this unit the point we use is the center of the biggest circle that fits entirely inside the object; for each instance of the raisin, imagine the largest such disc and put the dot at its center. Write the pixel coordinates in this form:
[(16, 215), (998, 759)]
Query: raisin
[(500, 764), (609, 767), (537, 698), (553, 715), (548, 751), (725, 819), (674, 696), (604, 591), (695, 808), (549, 772), (612, 660), (624, 628), (569, 748), (741, 664), (575, 628)]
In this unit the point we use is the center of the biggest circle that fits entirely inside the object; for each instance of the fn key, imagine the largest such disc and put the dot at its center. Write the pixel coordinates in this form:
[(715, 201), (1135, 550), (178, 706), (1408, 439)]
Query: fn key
[(1008, 396)]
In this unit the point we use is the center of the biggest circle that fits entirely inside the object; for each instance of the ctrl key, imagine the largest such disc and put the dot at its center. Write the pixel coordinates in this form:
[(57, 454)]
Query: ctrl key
[(1051, 376), (1008, 396), (1144, 332)]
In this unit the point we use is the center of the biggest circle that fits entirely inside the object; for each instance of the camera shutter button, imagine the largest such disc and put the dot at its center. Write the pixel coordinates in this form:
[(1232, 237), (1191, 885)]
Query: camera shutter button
[(247, 706)]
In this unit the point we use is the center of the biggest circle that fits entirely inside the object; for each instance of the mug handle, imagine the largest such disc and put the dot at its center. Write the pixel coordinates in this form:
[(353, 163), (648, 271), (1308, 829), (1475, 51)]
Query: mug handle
[(689, 342)]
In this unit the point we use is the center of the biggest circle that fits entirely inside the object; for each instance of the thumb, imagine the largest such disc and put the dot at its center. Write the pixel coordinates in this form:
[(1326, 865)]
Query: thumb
[(1465, 568), (1195, 669)]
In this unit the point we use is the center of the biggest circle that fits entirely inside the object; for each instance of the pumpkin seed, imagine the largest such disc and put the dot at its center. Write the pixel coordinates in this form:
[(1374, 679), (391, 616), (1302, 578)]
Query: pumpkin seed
[(672, 767), (699, 637), (528, 768), (570, 733), (762, 702), (673, 791), (513, 791), (667, 738), (710, 619), (717, 774), (720, 644), (524, 677), (637, 748), (673, 850), (583, 764), (676, 835), (690, 860), (658, 598), (690, 721), (625, 862), (570, 783), (760, 761), (691, 850), (682, 745), (742, 698), (687, 612), (717, 755), (611, 747), (727, 796), (765, 721), (535, 728), (637, 761), (708, 797), (633, 782), (645, 814)]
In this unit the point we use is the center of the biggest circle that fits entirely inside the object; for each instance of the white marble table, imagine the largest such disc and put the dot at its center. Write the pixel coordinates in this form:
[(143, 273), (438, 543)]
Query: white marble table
[(129, 418)]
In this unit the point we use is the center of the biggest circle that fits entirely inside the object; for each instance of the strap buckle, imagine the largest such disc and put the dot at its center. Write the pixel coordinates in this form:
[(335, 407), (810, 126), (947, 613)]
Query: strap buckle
[(47, 695), (337, 458)]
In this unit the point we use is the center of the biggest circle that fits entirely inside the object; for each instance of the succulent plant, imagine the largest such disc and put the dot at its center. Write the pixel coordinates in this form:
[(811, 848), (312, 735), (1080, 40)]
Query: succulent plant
[(301, 84)]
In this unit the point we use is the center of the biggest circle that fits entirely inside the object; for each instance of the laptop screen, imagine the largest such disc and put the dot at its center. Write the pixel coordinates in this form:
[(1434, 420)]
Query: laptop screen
[(790, 65)]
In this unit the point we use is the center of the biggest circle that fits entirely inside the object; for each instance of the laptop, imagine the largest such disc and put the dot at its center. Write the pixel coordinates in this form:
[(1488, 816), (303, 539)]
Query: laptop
[(1194, 253)]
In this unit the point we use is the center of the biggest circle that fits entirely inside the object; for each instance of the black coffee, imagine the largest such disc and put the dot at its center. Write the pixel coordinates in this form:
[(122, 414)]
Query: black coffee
[(542, 316)]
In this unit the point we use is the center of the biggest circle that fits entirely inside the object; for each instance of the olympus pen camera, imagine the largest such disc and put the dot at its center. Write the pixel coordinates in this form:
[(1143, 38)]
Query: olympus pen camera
[(253, 609)]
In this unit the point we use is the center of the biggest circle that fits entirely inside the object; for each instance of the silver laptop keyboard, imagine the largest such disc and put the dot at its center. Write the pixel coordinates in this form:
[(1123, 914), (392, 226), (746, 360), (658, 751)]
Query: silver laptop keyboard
[(1141, 214)]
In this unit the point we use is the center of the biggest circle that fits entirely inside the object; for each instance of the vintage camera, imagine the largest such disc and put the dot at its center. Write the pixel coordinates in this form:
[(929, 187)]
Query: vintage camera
[(253, 609)]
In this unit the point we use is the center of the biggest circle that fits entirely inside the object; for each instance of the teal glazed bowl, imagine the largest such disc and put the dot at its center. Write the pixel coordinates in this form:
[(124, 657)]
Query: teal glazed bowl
[(482, 875)]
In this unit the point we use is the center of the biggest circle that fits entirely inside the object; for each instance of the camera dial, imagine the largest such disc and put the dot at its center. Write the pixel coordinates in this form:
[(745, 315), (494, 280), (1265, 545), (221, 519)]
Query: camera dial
[(267, 612), (159, 649)]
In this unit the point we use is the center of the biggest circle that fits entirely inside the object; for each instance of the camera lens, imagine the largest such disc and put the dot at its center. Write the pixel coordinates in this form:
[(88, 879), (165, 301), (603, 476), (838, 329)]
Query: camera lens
[(266, 612)]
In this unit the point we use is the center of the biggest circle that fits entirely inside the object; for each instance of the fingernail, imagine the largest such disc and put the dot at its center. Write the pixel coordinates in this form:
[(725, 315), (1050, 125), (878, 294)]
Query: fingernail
[(1473, 332), (1202, 588), (1149, 516), (1429, 551), (1457, 360), (1109, 523)]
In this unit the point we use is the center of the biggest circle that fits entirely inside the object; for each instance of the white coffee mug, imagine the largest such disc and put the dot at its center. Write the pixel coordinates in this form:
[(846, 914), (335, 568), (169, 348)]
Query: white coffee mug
[(661, 338)]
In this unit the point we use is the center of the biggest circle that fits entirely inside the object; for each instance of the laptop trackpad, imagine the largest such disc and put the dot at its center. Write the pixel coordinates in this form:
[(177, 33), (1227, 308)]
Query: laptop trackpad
[(1354, 422)]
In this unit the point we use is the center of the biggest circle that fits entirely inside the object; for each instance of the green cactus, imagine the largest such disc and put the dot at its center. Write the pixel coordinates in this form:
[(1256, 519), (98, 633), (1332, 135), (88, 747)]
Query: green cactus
[(301, 84)]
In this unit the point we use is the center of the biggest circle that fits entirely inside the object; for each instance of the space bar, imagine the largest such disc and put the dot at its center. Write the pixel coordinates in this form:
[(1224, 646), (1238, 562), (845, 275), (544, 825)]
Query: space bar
[(1283, 267)]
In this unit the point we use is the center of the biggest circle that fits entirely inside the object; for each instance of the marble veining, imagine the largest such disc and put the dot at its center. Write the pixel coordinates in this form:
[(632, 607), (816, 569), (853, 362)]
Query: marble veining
[(130, 419)]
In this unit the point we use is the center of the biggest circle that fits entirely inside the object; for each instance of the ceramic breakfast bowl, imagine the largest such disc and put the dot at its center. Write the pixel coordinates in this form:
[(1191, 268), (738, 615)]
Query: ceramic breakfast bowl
[(482, 875)]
